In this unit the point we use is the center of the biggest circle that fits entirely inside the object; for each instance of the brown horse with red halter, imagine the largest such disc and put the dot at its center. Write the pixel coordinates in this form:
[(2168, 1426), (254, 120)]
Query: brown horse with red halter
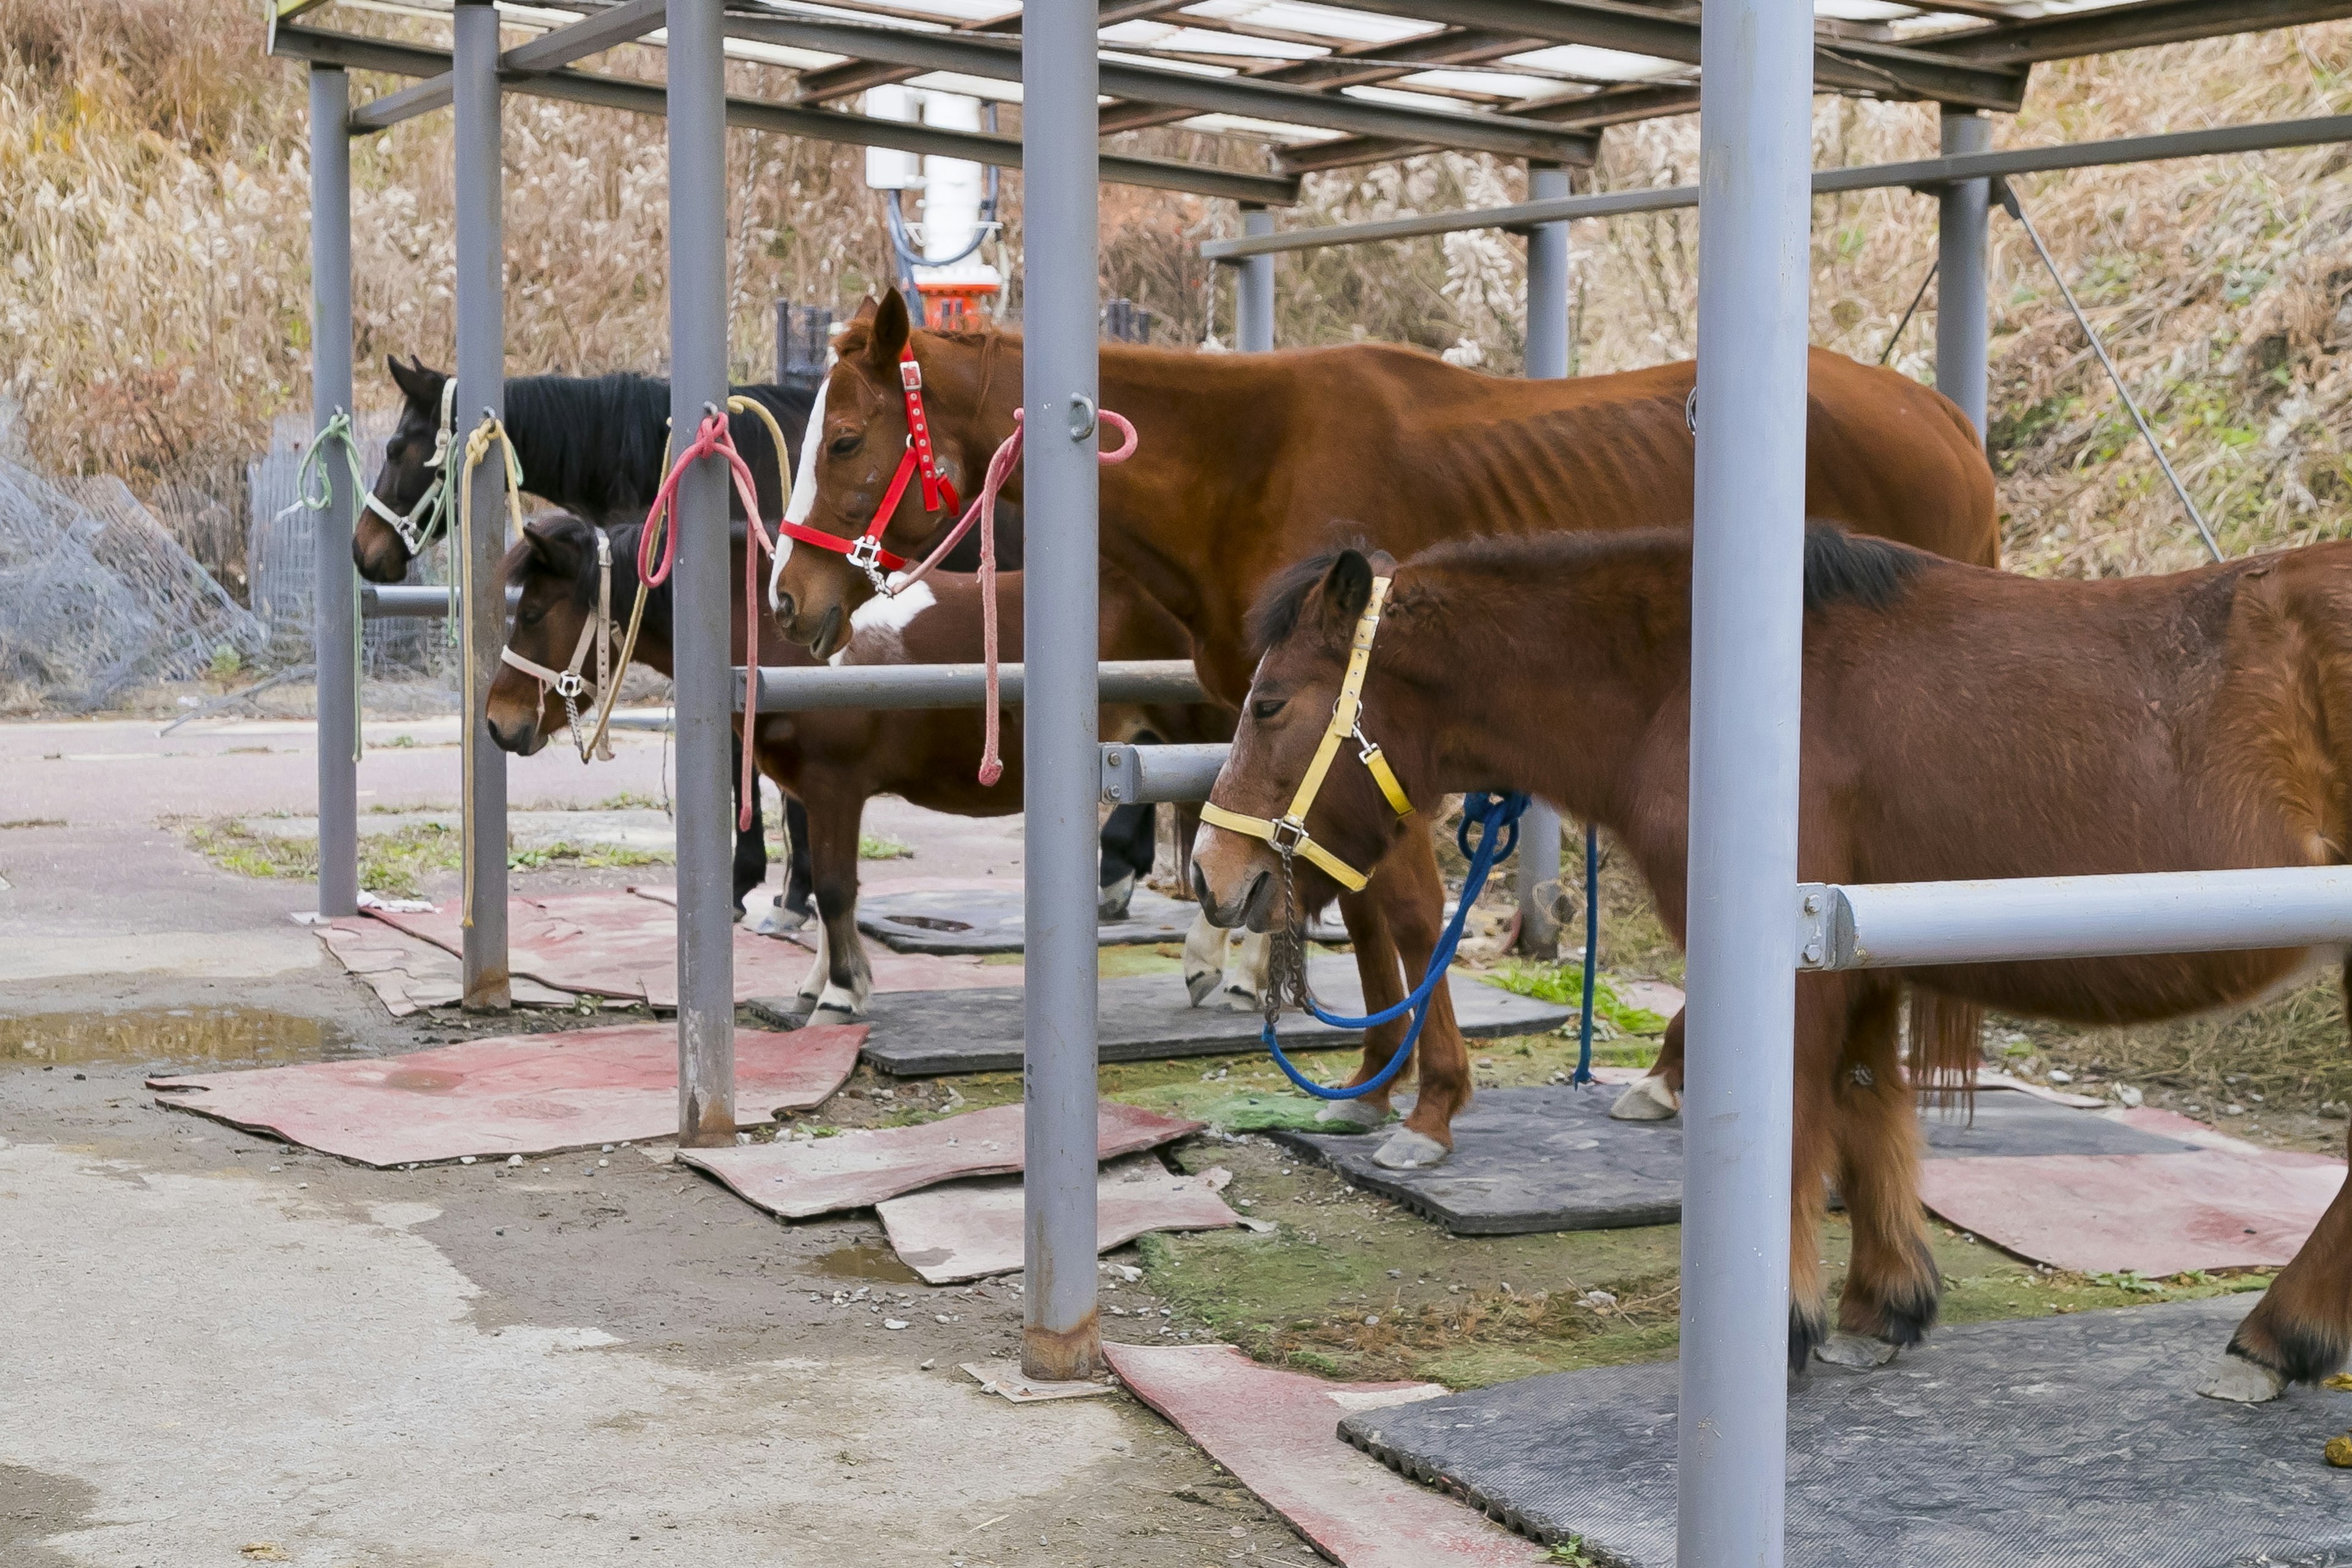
[(1248, 462), (1958, 723)]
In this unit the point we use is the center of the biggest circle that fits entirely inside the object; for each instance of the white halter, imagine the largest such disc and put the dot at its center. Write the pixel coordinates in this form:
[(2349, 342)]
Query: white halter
[(566, 682), (430, 514)]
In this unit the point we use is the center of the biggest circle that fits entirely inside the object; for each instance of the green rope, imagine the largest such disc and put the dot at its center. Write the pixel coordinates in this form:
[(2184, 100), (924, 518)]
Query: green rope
[(314, 490)]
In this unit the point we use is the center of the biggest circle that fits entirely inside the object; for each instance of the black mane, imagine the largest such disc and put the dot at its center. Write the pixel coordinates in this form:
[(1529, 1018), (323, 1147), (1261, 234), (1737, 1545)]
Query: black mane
[(593, 444), (1840, 568)]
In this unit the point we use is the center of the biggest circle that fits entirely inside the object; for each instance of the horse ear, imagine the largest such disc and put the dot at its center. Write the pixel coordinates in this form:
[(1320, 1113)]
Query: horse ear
[(416, 383), (1348, 586), (891, 330), (865, 308), (556, 538)]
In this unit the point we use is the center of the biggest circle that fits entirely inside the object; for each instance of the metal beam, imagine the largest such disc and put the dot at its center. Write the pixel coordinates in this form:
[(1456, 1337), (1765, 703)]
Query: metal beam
[(334, 635), (383, 113), (1887, 71), (1591, 113), (1903, 925), (1146, 775), (2118, 27), (857, 76), (622, 24), (356, 53), (1923, 174), (788, 690), (1255, 98)]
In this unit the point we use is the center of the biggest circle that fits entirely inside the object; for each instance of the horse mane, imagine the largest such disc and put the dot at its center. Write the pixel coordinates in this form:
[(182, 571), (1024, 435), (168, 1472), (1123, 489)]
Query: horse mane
[(596, 441), (1840, 568)]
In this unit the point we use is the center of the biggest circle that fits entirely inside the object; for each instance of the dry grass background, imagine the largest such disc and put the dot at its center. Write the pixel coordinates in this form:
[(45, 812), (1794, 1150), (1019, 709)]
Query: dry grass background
[(154, 292)]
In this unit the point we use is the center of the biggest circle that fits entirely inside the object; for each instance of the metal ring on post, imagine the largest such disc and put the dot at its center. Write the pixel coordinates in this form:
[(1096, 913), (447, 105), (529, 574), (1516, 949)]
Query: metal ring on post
[(1084, 418)]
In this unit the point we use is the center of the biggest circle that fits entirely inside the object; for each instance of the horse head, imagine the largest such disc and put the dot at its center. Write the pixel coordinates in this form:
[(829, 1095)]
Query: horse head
[(410, 469), (564, 582), (1336, 804), (858, 435)]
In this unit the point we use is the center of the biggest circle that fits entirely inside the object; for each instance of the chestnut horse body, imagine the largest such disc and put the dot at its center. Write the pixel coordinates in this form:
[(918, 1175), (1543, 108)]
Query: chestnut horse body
[(834, 760), (1958, 723), (1248, 462)]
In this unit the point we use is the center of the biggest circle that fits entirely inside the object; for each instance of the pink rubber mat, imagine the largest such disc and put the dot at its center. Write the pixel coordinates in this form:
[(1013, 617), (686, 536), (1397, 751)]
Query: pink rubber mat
[(969, 1230), (2226, 1205), (625, 944), (516, 1094), (1277, 1432), (798, 1178)]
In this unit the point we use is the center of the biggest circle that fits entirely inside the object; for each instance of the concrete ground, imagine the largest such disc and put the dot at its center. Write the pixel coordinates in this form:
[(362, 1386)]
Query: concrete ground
[(222, 1351)]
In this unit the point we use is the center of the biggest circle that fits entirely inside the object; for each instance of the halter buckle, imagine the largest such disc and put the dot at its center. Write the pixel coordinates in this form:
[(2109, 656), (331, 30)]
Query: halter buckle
[(569, 685), (911, 375), (1287, 834)]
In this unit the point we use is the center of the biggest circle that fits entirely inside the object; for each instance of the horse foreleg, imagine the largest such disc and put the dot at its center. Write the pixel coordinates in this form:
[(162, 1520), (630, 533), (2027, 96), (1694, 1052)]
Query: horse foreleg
[(836, 808), (1658, 1093), (1129, 839), (1204, 958), (1891, 1284), (1246, 962), (800, 883), (2300, 1330), (1376, 974), (1412, 900), (1821, 1019)]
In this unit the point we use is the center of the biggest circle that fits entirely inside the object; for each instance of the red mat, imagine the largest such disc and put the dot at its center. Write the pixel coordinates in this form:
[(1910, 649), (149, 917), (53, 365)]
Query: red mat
[(969, 1230), (516, 1094), (625, 944), (798, 1178), (2228, 1204), (1277, 1432)]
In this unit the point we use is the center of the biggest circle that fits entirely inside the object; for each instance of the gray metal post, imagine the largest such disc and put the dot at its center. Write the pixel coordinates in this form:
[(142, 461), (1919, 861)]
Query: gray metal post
[(482, 384), (334, 608), (697, 336), (1547, 361), (1254, 290), (1746, 625), (1963, 230), (1059, 1336)]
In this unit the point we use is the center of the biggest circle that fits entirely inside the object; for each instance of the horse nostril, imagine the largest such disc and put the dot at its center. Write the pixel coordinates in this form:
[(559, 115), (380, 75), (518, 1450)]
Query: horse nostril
[(786, 607), (1201, 888)]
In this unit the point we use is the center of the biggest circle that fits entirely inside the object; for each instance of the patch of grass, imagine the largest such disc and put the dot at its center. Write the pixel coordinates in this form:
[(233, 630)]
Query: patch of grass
[(33, 822), (882, 847), (591, 856), (1563, 984), (392, 863)]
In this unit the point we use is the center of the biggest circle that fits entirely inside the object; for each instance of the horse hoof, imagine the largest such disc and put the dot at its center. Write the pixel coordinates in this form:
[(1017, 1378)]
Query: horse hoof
[(1409, 1151), (2243, 1382), (1646, 1100), (1358, 1115), (1853, 1349), (1242, 1000), (1199, 984), (775, 920), (1111, 903)]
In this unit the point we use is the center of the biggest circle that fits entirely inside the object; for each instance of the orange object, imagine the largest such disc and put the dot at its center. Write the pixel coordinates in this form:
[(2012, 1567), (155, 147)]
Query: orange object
[(950, 307)]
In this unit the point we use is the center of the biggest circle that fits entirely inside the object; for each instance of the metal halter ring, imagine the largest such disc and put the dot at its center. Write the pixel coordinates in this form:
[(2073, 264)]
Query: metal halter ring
[(569, 684), (1288, 833)]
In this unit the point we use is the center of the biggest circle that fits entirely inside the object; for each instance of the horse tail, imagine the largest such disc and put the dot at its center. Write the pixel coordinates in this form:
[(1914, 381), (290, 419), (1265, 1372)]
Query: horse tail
[(1946, 1045)]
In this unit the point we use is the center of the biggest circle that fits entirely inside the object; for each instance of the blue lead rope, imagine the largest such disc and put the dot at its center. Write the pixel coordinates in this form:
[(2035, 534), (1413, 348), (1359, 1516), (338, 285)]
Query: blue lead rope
[(1498, 819), (1592, 951)]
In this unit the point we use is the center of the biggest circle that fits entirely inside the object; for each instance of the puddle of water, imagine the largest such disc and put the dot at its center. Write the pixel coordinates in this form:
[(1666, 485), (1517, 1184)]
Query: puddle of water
[(190, 1034), (868, 1262)]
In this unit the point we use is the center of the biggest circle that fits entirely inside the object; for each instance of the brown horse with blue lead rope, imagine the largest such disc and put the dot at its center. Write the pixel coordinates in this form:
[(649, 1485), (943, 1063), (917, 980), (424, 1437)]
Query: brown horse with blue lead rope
[(1958, 723), (1248, 462)]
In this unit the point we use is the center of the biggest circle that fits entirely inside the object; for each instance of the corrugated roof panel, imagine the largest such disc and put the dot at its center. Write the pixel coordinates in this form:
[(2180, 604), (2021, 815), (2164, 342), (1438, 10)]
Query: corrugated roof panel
[(1600, 65), (1321, 21)]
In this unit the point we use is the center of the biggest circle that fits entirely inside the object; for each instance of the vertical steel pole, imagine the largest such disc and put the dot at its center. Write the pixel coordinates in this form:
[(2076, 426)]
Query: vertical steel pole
[(1747, 646), (334, 603), (697, 336), (1963, 232), (1060, 291), (1254, 293), (481, 385), (1547, 361)]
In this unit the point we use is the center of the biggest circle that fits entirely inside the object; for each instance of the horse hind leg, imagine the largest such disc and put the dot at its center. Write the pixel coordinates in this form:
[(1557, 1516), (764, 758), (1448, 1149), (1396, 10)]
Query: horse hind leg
[(2300, 1330), (1812, 1149), (1893, 1287), (1657, 1094)]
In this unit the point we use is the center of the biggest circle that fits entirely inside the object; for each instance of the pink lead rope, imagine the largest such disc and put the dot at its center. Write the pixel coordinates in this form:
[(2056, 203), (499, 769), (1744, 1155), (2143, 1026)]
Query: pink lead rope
[(984, 511), (713, 438)]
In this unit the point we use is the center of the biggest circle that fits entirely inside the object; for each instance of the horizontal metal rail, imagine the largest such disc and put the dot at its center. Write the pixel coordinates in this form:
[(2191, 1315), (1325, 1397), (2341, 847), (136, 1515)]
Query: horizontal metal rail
[(784, 690), (354, 52), (1921, 173), (1133, 774), (1906, 925), (411, 601)]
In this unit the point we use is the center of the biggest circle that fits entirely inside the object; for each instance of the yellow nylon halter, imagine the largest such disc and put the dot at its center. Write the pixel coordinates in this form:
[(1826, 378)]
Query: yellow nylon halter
[(1287, 833)]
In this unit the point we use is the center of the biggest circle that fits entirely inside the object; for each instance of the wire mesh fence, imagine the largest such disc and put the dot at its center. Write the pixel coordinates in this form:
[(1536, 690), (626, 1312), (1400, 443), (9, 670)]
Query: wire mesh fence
[(97, 597)]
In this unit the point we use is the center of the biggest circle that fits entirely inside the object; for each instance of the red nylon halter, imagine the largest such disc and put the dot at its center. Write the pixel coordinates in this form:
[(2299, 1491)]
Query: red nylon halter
[(865, 551)]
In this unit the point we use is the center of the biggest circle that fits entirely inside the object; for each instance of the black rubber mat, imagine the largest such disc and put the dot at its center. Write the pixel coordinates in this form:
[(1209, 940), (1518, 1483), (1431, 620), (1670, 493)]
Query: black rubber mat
[(2060, 1442), (988, 919), (1143, 1017), (1551, 1159)]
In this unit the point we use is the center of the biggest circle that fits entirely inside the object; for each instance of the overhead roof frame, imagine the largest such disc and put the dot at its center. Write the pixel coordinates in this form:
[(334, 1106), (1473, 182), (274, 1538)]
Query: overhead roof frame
[(1357, 101)]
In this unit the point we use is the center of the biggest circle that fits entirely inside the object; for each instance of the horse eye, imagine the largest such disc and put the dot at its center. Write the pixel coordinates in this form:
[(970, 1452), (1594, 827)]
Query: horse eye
[(842, 446), (529, 616), (1264, 711)]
